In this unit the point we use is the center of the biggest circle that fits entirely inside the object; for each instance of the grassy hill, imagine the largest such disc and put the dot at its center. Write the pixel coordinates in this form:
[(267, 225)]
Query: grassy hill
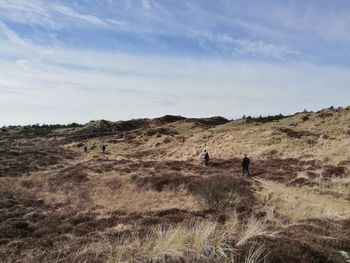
[(149, 198)]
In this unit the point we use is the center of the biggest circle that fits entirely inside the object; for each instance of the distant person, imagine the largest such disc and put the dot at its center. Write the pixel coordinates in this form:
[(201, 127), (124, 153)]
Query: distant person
[(104, 148), (85, 149), (245, 165), (206, 158)]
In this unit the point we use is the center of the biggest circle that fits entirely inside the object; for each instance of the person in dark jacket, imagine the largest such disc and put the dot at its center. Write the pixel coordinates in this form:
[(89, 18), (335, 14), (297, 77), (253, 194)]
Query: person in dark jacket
[(85, 149), (245, 165), (103, 148), (206, 158)]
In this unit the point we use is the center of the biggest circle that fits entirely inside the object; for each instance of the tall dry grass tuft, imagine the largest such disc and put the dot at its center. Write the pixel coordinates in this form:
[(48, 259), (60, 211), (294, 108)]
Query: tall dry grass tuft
[(341, 180), (198, 239), (124, 251), (255, 254), (298, 204), (302, 209), (254, 227), (201, 233), (172, 241), (270, 213), (195, 240), (231, 226)]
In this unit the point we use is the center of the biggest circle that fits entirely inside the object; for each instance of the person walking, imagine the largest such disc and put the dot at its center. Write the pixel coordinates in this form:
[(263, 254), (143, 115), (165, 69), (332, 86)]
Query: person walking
[(103, 148), (206, 158), (85, 149), (245, 165)]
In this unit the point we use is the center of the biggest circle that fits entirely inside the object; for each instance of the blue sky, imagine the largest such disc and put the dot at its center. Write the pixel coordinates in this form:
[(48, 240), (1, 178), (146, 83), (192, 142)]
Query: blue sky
[(74, 61)]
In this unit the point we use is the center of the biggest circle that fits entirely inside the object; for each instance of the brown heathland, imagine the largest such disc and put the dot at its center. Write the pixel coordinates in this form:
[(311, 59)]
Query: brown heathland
[(149, 198)]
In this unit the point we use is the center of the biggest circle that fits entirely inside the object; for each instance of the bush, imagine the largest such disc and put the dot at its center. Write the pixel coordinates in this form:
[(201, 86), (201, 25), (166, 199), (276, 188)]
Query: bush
[(218, 193), (80, 144), (27, 183), (45, 129), (305, 118), (266, 119)]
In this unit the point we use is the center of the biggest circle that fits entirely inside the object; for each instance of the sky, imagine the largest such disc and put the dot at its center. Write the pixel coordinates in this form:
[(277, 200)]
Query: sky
[(80, 60)]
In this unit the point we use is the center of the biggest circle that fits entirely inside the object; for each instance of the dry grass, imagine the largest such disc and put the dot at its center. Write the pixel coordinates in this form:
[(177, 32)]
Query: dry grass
[(133, 199), (109, 191), (231, 226), (200, 233), (68, 251), (253, 228), (341, 180), (338, 185), (218, 193), (256, 254), (103, 204), (270, 213), (171, 241), (196, 241), (237, 137), (297, 204)]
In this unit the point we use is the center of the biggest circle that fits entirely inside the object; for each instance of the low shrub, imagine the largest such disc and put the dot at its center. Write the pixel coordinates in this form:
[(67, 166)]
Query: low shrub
[(27, 183), (265, 119), (218, 193)]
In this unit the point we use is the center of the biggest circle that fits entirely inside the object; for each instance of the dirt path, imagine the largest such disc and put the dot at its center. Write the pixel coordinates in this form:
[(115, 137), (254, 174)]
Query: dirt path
[(297, 203)]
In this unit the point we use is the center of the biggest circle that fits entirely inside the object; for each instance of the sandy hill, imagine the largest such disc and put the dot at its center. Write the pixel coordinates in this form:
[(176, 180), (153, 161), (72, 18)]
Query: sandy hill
[(149, 198)]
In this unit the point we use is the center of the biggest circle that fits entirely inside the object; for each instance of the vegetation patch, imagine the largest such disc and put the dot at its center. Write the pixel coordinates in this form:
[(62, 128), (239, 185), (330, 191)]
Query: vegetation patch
[(265, 119), (223, 193), (298, 134)]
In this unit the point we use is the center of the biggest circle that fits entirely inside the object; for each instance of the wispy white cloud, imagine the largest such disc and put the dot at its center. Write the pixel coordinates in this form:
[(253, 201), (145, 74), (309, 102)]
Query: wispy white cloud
[(262, 48), (269, 30), (70, 13), (11, 36), (28, 12), (303, 20), (260, 64), (218, 43), (79, 85), (156, 6), (147, 4), (49, 15)]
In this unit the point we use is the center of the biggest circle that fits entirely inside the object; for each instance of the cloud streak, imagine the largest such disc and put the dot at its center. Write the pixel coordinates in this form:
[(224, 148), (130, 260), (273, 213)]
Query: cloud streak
[(100, 84), (223, 43), (81, 60), (48, 15)]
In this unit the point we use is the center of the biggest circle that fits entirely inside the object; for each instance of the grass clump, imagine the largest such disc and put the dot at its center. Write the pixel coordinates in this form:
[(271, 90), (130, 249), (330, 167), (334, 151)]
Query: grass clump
[(193, 240), (255, 254), (254, 227), (218, 193), (196, 241), (27, 183)]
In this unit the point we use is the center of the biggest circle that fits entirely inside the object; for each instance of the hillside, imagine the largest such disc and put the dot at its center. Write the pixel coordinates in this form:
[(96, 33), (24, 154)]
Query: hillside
[(149, 198)]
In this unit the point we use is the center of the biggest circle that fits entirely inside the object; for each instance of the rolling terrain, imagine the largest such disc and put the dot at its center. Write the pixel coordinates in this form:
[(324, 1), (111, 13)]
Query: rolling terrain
[(149, 198)]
